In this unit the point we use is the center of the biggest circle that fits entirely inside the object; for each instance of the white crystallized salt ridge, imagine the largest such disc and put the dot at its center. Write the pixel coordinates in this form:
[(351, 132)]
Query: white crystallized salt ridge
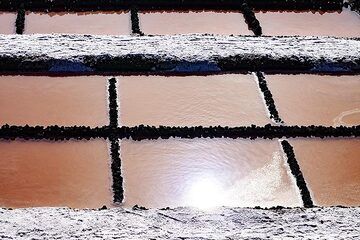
[(180, 223), (195, 48)]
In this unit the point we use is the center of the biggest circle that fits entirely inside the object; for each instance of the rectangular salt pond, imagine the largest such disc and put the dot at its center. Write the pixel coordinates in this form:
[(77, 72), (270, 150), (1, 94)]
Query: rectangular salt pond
[(316, 100), (112, 23), (206, 173), (193, 22), (331, 169), (227, 100), (7, 23), (39, 174), (40, 100), (344, 24)]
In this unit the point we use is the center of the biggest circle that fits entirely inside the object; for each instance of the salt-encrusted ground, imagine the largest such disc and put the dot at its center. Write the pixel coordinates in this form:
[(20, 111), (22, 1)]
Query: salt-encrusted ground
[(180, 223), (178, 53)]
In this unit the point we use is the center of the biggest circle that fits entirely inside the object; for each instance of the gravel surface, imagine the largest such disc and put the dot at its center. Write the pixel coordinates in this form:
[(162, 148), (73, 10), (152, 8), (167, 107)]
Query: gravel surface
[(180, 223)]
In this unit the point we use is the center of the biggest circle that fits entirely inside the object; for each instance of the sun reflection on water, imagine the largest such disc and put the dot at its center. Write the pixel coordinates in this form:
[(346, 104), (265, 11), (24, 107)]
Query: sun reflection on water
[(207, 174), (206, 193), (262, 185)]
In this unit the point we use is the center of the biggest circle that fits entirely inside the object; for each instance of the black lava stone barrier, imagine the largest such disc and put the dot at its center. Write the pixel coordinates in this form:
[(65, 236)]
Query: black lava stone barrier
[(142, 132), (117, 184), (133, 63), (113, 105), (296, 172), (250, 19), (269, 101), (20, 20), (111, 5), (135, 22)]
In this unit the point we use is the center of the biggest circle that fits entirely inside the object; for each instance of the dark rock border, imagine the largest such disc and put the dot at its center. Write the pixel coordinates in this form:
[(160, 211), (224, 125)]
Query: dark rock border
[(20, 20), (117, 179), (108, 5), (297, 5), (250, 19), (269, 101), (281, 64), (296, 171), (135, 22), (113, 105), (143, 132)]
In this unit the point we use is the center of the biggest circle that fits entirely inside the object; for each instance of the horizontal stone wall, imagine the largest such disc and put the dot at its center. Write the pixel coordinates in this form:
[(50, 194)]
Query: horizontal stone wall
[(88, 5), (193, 53)]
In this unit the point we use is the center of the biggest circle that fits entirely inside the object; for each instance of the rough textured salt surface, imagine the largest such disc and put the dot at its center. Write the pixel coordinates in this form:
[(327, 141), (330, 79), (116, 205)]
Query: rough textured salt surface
[(180, 223), (176, 53)]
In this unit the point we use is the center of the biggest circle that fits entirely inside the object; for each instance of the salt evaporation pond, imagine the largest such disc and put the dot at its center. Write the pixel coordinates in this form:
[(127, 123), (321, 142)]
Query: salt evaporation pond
[(227, 100), (202, 173), (206, 173), (41, 100), (331, 168), (7, 23), (344, 24), (316, 100), (111, 23), (72, 173), (193, 22)]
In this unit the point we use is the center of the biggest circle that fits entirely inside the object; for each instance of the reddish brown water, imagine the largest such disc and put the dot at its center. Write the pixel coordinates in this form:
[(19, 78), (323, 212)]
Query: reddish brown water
[(83, 23), (331, 169), (319, 100), (36, 100), (231, 100), (7, 23), (74, 174), (193, 22), (345, 24), (206, 173)]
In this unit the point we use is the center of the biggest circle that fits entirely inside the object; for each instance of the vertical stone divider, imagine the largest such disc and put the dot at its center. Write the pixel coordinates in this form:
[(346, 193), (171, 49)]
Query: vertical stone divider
[(135, 22), (117, 184), (268, 98), (250, 19), (20, 19), (296, 172), (113, 105)]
